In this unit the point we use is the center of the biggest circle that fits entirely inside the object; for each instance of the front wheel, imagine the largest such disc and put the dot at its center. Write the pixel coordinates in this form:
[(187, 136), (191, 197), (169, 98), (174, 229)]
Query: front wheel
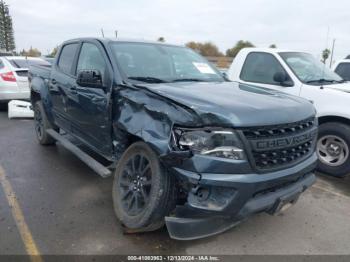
[(143, 191), (333, 149)]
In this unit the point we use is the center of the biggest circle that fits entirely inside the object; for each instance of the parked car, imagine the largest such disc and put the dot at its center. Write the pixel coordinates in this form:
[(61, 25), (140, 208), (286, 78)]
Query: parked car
[(190, 149), (342, 68), (48, 59), (14, 77), (5, 53), (300, 74)]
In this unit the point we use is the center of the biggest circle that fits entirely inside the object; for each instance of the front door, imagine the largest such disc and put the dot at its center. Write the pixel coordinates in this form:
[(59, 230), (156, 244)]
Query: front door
[(260, 68), (91, 110)]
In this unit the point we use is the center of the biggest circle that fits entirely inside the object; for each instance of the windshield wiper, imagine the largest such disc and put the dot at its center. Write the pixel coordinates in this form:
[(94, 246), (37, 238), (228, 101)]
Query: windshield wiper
[(342, 81), (321, 80), (147, 79), (188, 80)]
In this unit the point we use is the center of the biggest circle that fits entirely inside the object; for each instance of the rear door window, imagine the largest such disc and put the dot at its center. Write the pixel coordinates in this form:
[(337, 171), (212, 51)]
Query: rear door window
[(343, 70), (65, 62)]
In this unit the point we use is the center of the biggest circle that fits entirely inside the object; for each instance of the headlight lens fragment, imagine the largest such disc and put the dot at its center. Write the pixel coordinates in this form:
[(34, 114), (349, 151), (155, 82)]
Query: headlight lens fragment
[(220, 143)]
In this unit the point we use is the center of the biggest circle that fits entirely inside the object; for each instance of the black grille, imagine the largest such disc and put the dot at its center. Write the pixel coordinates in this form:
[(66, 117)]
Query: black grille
[(277, 156), (279, 130)]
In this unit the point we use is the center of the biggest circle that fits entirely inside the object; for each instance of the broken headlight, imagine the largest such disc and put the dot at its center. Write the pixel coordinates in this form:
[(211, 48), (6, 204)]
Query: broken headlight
[(218, 143)]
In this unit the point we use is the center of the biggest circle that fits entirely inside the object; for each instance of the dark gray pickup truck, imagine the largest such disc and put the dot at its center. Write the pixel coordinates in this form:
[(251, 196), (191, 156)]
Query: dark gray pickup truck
[(187, 148)]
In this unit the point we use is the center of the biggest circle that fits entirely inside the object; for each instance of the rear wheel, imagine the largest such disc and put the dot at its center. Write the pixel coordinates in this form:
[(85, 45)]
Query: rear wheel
[(42, 124), (333, 149), (143, 192)]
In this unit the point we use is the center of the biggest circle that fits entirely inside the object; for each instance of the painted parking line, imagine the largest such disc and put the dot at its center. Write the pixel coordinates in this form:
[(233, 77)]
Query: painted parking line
[(330, 191), (27, 238)]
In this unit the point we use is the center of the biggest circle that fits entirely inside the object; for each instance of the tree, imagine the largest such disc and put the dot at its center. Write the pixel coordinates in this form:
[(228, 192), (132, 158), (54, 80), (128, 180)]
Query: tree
[(53, 52), (161, 39), (232, 52), (33, 52), (325, 54), (205, 49), (273, 46), (194, 46), (7, 40)]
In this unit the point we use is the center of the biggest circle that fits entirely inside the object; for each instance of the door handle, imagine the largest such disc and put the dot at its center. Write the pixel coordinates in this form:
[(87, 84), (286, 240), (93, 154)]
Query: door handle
[(73, 90), (97, 99)]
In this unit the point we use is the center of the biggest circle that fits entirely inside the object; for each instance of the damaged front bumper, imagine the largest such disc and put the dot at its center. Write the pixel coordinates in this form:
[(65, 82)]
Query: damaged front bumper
[(218, 202)]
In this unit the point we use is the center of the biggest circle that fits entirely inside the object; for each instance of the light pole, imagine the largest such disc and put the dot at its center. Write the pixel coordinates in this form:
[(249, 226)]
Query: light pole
[(331, 60)]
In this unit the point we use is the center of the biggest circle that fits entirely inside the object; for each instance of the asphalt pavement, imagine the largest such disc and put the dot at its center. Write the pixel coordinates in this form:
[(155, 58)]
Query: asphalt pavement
[(52, 203)]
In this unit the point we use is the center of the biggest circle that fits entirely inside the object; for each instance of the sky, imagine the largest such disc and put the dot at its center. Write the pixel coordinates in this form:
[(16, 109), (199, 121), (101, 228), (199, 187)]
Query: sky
[(305, 25)]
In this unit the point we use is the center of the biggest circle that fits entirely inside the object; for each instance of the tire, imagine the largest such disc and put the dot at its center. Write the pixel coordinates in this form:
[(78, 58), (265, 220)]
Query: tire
[(42, 124), (3, 106), (152, 181), (333, 149)]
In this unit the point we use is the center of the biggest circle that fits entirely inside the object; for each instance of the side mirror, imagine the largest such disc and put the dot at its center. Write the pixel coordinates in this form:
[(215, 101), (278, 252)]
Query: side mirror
[(90, 78), (282, 78)]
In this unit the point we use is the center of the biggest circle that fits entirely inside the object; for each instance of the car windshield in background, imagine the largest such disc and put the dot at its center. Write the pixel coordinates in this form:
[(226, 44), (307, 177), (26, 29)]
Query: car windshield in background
[(155, 63), (26, 63), (309, 70), (343, 69)]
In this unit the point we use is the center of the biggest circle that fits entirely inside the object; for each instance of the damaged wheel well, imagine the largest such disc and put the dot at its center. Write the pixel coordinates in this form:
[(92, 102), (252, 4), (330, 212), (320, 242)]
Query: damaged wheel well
[(34, 97), (122, 140)]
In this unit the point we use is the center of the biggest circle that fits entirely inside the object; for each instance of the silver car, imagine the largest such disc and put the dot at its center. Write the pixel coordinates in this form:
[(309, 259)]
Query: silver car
[(14, 76)]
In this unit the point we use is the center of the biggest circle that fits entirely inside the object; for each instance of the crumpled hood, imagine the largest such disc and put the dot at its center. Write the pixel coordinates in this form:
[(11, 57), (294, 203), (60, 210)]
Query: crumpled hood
[(235, 104)]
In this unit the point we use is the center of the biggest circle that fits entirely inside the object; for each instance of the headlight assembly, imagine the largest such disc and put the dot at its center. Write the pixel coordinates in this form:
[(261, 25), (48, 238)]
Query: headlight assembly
[(218, 143)]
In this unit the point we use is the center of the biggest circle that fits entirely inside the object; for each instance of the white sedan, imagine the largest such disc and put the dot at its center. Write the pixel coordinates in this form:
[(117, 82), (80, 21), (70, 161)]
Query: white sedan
[(14, 76)]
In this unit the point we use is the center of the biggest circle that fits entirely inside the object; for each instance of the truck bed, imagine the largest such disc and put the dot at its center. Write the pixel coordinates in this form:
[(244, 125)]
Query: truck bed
[(40, 71)]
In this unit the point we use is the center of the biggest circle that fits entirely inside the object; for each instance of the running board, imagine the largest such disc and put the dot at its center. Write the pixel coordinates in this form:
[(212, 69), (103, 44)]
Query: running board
[(88, 160)]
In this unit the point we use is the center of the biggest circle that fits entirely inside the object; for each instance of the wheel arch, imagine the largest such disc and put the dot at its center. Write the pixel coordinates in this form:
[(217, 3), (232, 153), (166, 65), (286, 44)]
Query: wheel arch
[(34, 96), (332, 118)]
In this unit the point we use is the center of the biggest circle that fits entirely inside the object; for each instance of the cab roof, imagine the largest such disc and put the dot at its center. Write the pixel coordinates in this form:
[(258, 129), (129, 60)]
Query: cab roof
[(106, 40), (268, 50)]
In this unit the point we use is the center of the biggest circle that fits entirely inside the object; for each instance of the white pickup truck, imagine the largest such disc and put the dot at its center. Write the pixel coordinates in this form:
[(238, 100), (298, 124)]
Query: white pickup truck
[(342, 68), (302, 75)]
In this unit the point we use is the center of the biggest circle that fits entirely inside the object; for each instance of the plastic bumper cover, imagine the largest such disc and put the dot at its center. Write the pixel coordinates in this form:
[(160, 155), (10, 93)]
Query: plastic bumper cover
[(231, 198)]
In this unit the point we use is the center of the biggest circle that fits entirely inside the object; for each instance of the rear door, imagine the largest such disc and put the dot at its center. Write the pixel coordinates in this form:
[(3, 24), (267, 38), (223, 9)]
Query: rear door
[(91, 109), (62, 85), (259, 69)]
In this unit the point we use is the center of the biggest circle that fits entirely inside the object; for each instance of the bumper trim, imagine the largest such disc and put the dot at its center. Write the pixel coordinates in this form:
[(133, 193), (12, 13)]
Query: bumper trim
[(188, 228), (195, 228), (266, 202)]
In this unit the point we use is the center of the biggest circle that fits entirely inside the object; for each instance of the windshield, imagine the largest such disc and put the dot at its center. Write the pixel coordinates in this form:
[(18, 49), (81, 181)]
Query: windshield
[(26, 63), (343, 69), (308, 69), (157, 63)]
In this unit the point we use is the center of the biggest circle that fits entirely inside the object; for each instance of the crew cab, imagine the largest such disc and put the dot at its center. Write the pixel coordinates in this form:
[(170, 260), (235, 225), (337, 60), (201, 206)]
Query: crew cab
[(187, 148), (302, 75)]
